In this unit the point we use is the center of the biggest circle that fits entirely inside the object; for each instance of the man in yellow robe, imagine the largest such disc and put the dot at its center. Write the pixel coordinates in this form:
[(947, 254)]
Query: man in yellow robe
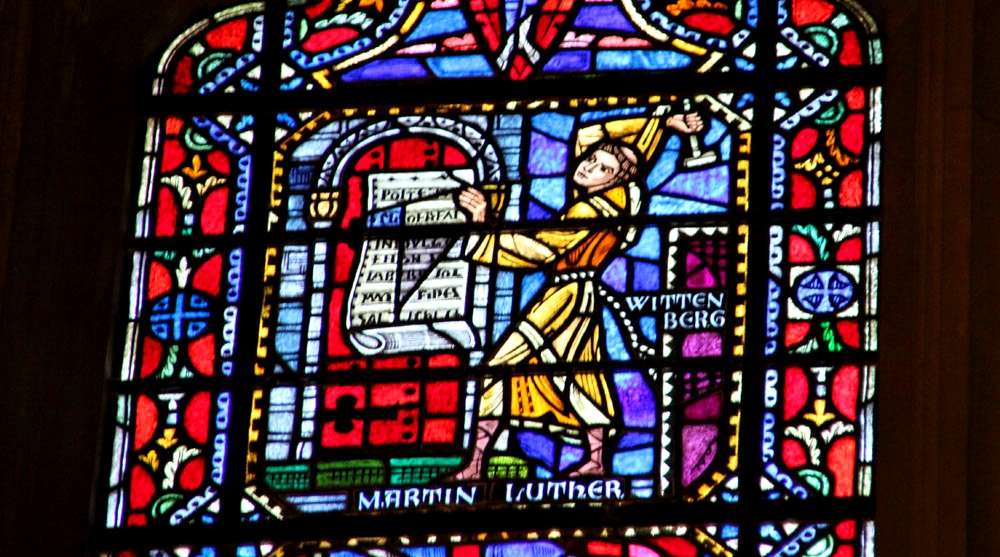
[(563, 325)]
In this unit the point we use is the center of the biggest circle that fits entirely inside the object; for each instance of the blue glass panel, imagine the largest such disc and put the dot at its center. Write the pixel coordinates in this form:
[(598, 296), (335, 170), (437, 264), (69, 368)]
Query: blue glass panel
[(345, 554), (287, 342), (641, 60), (430, 551), (613, 338), (648, 326), (570, 455), (569, 61), (548, 156), (550, 191), (530, 286), (715, 132), (290, 316), (648, 246), (616, 274), (631, 463), (634, 439), (524, 549), (604, 17), (538, 447), (559, 126), (711, 184), (538, 212), (395, 68), (666, 165), (461, 66), (725, 148), (638, 402), (440, 22), (616, 113), (646, 276), (661, 205)]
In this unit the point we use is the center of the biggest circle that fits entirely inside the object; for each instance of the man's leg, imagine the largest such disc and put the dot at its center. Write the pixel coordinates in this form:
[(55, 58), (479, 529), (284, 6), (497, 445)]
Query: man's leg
[(595, 465), (484, 438)]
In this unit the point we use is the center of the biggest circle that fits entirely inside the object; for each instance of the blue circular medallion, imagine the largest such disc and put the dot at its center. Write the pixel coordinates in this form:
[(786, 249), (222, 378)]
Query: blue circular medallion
[(180, 316), (829, 291)]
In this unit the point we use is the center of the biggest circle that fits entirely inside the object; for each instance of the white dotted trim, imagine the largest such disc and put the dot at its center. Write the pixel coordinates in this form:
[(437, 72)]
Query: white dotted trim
[(613, 302), (576, 275)]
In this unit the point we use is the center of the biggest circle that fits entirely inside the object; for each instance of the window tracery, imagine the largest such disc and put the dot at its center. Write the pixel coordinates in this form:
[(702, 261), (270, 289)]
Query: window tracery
[(661, 302)]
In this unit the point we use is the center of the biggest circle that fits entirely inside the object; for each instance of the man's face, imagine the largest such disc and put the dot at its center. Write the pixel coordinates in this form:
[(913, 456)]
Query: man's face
[(597, 171)]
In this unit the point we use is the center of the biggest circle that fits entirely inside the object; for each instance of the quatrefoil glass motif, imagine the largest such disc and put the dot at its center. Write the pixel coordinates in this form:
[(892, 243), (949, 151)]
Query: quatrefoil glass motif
[(829, 291), (180, 316)]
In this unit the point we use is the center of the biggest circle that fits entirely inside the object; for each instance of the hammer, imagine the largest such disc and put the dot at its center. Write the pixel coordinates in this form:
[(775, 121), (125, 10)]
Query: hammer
[(697, 158)]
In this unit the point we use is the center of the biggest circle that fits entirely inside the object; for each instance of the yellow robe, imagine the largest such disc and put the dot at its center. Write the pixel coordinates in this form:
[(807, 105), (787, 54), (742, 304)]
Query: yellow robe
[(563, 325)]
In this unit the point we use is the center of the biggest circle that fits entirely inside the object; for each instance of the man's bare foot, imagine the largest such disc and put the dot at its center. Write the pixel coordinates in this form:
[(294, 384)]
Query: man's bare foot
[(470, 472), (591, 468)]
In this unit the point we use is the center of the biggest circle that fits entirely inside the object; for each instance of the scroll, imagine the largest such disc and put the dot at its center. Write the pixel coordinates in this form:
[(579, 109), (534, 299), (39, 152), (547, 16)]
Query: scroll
[(410, 293)]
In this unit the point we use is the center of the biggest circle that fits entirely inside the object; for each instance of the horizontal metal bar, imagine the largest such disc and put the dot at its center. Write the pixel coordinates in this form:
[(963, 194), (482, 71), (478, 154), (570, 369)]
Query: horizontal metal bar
[(341, 527), (473, 91)]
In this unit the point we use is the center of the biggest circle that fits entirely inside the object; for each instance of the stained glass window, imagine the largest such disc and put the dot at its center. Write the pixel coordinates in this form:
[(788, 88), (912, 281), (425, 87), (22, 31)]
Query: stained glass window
[(464, 278)]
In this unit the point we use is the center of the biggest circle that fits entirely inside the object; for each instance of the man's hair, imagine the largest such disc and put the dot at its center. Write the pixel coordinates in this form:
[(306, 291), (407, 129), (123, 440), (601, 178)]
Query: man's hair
[(628, 161)]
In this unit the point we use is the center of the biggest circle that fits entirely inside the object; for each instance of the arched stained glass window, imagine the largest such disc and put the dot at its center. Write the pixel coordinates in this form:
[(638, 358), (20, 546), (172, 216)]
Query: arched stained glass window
[(463, 278)]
